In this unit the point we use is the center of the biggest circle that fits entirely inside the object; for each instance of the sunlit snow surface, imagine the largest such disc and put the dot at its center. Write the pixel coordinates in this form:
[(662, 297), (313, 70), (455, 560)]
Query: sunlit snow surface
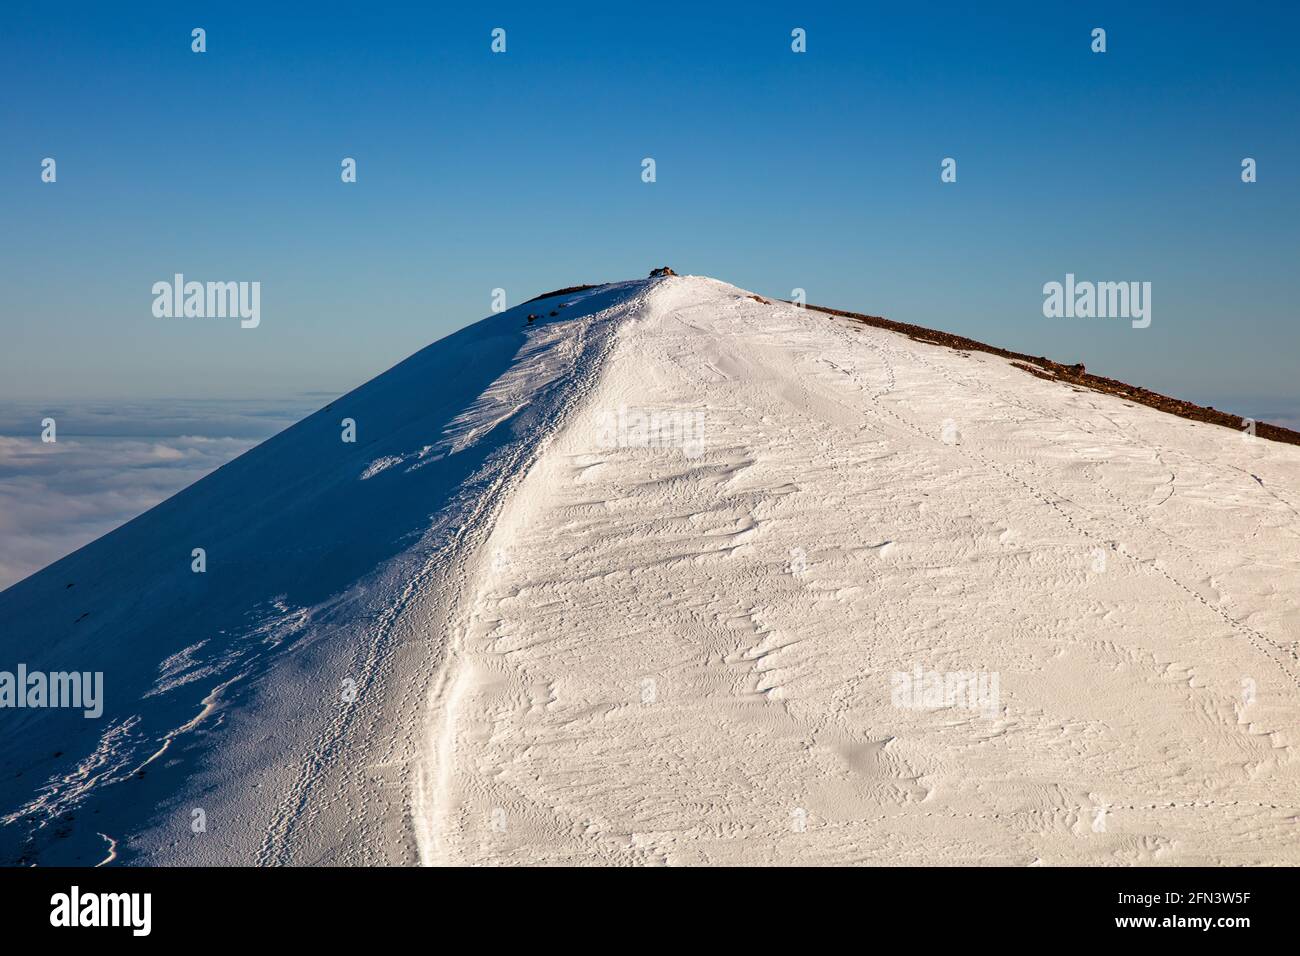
[(568, 644)]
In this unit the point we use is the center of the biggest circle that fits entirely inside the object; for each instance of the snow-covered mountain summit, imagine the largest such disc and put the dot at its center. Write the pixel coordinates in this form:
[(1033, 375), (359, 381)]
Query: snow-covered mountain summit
[(674, 574)]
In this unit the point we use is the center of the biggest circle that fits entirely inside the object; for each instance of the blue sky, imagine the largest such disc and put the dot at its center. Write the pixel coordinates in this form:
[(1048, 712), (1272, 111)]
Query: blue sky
[(522, 171)]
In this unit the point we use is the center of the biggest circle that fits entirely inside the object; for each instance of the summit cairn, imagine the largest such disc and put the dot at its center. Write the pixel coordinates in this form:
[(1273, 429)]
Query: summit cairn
[(665, 271)]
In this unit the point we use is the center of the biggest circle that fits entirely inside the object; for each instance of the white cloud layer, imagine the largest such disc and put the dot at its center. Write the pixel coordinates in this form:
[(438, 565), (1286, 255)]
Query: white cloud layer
[(54, 498), (111, 463)]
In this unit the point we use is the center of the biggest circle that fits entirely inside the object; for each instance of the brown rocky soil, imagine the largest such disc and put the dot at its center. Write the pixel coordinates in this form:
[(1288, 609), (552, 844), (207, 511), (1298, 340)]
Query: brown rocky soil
[(1075, 375), (1039, 366)]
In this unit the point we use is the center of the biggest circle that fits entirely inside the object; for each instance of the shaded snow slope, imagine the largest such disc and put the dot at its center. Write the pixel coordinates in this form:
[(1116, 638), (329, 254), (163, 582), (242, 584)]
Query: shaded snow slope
[(636, 583), (690, 658), (327, 562)]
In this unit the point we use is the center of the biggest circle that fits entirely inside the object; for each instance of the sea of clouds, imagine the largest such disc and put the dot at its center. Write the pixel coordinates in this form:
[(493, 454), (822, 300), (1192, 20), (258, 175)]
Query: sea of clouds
[(112, 462)]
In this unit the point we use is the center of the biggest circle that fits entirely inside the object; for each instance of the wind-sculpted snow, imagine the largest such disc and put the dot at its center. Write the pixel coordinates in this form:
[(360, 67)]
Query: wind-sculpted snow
[(680, 575), (906, 605)]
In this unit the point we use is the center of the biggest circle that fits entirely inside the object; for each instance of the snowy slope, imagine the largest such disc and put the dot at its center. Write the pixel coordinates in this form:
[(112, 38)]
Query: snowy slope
[(689, 659), (634, 584), (326, 562)]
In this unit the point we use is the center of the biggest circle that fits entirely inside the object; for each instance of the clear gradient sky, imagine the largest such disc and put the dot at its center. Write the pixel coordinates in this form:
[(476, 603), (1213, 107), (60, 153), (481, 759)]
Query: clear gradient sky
[(522, 170)]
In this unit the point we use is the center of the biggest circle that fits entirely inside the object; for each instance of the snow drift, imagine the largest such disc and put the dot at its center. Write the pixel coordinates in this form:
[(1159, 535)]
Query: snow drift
[(678, 575)]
